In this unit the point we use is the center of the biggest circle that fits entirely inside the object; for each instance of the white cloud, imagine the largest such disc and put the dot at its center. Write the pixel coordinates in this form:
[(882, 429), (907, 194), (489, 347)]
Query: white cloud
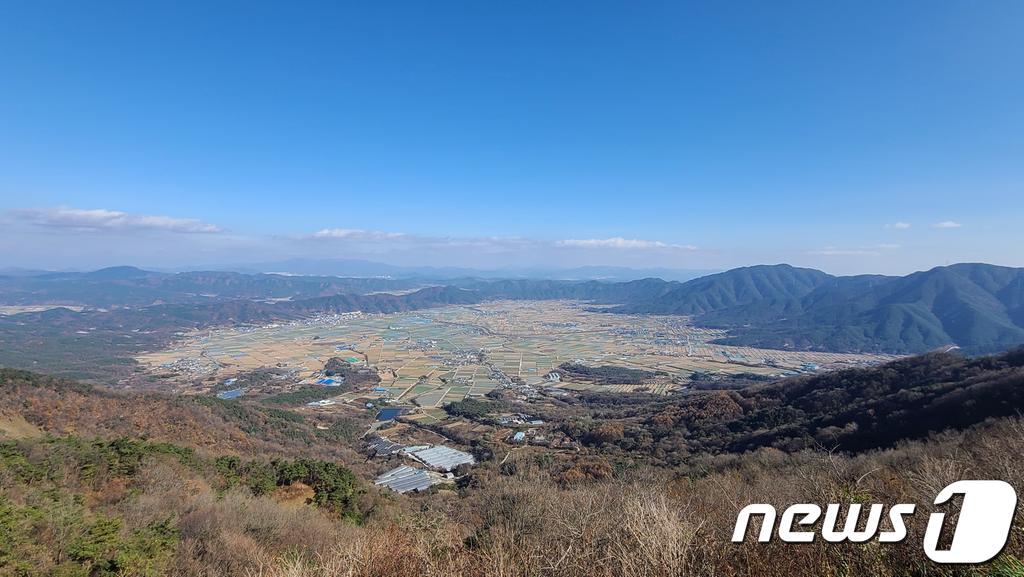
[(482, 243), (382, 240), (947, 224), (99, 219), (621, 243), (898, 225), (873, 250), (833, 251), (355, 234)]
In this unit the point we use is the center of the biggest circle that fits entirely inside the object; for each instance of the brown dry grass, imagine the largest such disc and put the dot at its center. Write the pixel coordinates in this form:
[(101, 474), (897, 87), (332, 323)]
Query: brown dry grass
[(643, 523), (529, 522)]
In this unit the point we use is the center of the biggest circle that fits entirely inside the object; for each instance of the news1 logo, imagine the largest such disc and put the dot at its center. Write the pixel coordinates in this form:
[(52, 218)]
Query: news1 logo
[(981, 530)]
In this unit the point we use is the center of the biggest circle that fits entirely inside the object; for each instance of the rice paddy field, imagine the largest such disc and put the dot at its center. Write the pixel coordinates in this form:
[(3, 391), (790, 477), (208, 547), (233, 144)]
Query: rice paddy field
[(436, 356)]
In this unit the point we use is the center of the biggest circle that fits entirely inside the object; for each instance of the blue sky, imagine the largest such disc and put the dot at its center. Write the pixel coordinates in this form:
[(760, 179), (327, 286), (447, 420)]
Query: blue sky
[(679, 134)]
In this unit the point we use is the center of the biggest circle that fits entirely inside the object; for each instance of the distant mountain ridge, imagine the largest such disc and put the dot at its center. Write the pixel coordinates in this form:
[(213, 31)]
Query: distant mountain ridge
[(364, 268), (130, 286), (979, 307), (771, 285)]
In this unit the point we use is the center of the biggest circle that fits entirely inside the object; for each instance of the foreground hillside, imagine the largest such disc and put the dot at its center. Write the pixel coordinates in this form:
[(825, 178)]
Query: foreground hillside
[(91, 486), (75, 507), (32, 405), (851, 410)]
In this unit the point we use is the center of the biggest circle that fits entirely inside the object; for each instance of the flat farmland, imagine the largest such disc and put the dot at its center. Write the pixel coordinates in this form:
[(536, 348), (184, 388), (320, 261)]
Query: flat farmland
[(433, 357)]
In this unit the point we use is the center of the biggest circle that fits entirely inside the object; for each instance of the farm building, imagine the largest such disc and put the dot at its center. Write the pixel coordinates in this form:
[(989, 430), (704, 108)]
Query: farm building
[(382, 447), (443, 458), (404, 479)]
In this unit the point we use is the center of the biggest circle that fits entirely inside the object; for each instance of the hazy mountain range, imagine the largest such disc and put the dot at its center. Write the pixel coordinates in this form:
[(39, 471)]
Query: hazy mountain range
[(366, 268), (979, 307)]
